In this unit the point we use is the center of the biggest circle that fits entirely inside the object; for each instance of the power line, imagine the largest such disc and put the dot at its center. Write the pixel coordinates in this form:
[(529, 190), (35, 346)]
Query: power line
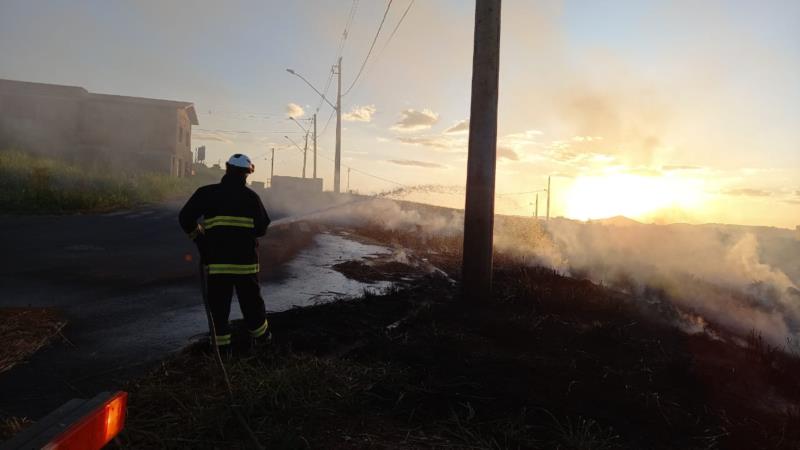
[(342, 41), (266, 115), (397, 26), (385, 45), (374, 40), (366, 173), (521, 193), (208, 130), (324, 129)]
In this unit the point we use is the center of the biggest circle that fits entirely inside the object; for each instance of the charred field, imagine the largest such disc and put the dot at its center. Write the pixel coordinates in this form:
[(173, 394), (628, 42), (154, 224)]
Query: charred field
[(548, 362)]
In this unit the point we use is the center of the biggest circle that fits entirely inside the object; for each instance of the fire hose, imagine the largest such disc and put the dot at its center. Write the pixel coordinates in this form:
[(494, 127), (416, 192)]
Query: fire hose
[(213, 332)]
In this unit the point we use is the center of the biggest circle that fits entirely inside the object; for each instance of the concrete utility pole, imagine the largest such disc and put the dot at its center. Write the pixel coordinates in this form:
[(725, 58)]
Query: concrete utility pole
[(272, 167), (337, 165), (305, 151), (315, 145), (476, 266), (548, 198), (536, 208), (348, 179)]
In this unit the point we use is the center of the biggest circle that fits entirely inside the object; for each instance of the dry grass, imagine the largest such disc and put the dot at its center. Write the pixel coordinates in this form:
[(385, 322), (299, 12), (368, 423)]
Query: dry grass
[(24, 331), (36, 184), (10, 426)]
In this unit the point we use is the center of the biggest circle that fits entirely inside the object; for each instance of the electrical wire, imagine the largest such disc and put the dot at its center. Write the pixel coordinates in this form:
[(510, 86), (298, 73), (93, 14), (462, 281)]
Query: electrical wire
[(405, 13), (363, 172), (342, 42), (328, 122), (520, 193), (217, 130), (383, 49), (374, 40)]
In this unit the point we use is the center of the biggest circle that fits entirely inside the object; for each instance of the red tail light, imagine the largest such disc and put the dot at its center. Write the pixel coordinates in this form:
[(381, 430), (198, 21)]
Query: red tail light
[(77, 425), (96, 429)]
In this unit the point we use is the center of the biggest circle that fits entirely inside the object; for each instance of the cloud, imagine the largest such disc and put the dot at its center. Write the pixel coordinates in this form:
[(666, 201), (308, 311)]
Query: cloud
[(527, 137), (459, 127), (507, 153), (411, 162), (360, 114), (294, 110), (747, 192), (411, 120), (436, 142)]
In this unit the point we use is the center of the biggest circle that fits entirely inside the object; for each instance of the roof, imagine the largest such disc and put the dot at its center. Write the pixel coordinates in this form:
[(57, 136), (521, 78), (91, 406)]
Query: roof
[(56, 90), (187, 106), (43, 89)]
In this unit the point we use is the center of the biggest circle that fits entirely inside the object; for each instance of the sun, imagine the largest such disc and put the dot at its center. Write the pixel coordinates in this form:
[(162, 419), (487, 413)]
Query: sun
[(630, 195)]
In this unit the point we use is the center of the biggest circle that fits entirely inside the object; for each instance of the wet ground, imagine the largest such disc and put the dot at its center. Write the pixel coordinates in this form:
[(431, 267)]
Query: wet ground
[(131, 296)]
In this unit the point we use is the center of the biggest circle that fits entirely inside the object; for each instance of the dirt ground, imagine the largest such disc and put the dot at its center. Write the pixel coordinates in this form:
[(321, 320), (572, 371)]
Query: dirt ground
[(549, 362)]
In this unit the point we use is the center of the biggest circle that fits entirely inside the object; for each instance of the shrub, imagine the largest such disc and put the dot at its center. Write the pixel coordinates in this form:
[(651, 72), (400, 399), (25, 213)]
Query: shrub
[(38, 184)]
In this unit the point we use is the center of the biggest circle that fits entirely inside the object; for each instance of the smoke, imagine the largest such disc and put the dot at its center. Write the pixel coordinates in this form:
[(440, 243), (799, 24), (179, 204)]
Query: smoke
[(716, 279), (737, 278)]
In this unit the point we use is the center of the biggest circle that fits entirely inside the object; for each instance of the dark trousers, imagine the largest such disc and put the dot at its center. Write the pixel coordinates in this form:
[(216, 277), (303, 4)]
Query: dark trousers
[(248, 292)]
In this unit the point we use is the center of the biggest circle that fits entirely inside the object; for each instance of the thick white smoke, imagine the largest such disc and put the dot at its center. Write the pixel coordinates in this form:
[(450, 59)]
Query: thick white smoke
[(736, 279), (739, 278)]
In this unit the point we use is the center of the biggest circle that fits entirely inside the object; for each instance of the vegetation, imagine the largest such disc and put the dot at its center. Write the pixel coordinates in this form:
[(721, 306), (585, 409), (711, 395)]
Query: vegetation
[(25, 331), (549, 362), (38, 184)]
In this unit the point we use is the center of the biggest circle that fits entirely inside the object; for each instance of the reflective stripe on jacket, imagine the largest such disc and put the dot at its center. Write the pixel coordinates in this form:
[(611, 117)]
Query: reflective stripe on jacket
[(233, 218)]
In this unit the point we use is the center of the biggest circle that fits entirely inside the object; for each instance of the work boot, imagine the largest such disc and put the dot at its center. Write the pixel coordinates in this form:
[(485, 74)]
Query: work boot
[(225, 352), (262, 341)]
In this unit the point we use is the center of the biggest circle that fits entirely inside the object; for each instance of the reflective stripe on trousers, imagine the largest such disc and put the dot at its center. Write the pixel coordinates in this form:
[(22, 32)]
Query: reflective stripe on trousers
[(233, 269), (225, 339), (258, 332)]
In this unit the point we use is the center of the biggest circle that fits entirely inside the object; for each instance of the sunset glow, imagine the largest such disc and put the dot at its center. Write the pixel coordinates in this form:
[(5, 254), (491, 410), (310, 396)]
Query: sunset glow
[(635, 196)]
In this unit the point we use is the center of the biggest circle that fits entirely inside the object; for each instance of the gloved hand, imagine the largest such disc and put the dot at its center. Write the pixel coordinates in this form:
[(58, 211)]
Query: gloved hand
[(199, 238), (201, 241)]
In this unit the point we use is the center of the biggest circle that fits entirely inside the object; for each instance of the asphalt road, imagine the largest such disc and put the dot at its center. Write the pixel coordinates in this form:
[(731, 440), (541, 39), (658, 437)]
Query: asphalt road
[(122, 281), (131, 297)]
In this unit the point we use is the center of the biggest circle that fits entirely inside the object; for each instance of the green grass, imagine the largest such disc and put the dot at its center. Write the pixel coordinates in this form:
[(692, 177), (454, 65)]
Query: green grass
[(38, 184)]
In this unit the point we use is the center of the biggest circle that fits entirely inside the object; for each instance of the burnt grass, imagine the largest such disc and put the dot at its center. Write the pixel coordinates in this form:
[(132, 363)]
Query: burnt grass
[(548, 362)]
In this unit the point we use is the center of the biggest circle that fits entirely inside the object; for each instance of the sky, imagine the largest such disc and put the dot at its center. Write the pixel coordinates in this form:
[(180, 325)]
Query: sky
[(663, 111)]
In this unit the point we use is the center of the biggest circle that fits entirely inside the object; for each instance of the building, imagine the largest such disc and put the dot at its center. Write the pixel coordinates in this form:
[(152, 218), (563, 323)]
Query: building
[(104, 131)]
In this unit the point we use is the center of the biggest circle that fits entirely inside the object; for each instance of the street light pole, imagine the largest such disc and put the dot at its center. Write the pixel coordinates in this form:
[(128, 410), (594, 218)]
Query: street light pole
[(315, 146), (305, 151), (301, 149), (548, 198), (272, 167), (305, 148), (337, 70), (337, 165)]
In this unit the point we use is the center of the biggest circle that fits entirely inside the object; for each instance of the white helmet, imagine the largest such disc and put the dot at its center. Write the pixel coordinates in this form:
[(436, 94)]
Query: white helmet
[(240, 160)]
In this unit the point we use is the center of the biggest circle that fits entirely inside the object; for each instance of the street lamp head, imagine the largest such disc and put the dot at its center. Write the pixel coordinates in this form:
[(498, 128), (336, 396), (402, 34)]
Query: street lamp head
[(290, 71)]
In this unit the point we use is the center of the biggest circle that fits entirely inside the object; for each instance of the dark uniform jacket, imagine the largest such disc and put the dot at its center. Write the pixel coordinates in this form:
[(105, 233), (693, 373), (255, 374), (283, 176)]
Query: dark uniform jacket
[(233, 218)]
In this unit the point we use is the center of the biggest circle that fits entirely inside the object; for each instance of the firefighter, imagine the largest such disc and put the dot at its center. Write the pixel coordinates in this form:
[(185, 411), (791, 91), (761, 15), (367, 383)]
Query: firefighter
[(233, 219)]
